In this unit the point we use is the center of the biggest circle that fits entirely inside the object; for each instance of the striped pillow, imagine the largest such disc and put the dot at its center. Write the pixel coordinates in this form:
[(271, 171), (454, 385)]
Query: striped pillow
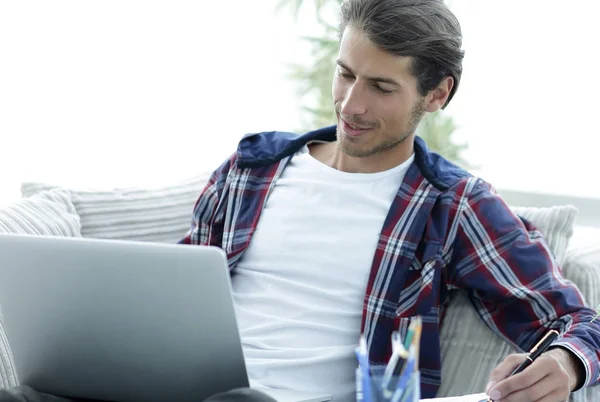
[(49, 213), (8, 374), (142, 214)]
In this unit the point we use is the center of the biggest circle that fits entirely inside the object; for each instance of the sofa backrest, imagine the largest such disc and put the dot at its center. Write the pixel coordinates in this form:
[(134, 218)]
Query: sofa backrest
[(161, 214)]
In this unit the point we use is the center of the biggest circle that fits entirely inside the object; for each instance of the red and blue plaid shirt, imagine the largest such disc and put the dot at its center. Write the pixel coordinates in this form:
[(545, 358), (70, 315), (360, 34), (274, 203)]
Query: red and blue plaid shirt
[(446, 230)]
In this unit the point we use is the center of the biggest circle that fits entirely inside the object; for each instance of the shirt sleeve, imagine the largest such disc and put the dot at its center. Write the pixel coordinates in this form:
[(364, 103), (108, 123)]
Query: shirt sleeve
[(208, 213), (505, 266)]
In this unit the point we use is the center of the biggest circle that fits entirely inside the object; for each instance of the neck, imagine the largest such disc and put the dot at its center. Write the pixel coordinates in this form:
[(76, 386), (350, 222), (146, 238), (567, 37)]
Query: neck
[(332, 155)]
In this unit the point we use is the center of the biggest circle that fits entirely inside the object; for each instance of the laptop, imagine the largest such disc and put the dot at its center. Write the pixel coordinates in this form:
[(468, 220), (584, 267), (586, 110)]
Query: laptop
[(122, 321)]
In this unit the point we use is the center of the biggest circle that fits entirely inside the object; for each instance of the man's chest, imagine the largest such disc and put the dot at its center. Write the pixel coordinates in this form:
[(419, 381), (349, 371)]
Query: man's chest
[(313, 225), (367, 234), (405, 233)]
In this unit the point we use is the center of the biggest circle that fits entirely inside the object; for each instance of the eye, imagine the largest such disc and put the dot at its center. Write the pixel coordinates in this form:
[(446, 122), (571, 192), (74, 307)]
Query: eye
[(345, 74), (383, 90)]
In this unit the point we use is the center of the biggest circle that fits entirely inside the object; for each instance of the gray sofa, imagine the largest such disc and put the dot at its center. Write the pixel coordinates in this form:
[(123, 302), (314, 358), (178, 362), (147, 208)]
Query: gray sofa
[(469, 349)]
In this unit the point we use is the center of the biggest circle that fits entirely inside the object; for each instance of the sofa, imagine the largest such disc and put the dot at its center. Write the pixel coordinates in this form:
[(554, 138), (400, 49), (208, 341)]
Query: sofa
[(470, 350)]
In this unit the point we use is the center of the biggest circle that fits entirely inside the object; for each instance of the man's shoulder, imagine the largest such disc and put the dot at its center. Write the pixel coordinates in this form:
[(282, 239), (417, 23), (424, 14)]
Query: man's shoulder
[(438, 170), (259, 147), (452, 180), (268, 147)]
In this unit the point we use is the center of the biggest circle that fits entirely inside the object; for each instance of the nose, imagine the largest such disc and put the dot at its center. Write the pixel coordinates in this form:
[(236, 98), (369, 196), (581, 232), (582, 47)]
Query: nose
[(354, 102)]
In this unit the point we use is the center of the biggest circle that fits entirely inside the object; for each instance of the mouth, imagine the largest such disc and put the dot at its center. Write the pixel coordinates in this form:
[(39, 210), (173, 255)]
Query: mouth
[(353, 130)]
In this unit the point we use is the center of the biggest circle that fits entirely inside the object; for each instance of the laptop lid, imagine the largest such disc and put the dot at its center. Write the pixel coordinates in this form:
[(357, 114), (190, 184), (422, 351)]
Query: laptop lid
[(120, 321)]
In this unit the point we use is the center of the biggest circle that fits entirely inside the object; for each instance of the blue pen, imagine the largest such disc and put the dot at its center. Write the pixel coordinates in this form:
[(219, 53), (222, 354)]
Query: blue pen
[(406, 375), (363, 362), (359, 392), (413, 392), (408, 394)]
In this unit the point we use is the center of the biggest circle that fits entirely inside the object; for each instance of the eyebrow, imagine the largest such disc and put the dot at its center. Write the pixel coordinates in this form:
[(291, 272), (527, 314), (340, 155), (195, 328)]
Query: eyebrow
[(374, 79)]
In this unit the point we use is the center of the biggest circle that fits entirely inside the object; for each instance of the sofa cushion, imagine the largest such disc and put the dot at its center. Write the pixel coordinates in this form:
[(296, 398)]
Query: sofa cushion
[(48, 213), (582, 267), (8, 374), (161, 214), (466, 342)]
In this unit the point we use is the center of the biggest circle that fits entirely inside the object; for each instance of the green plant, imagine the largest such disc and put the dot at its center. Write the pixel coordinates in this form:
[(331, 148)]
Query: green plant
[(314, 85)]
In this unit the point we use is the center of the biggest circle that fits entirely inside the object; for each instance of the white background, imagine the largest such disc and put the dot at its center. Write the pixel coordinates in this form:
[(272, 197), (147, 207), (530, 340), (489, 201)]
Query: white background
[(141, 93)]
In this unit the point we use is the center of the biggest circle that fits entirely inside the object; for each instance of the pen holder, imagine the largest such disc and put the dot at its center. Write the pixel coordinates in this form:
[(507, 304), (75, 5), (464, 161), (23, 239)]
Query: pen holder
[(374, 389)]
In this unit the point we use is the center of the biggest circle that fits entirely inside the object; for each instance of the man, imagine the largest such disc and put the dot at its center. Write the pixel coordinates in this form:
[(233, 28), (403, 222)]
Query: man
[(356, 228)]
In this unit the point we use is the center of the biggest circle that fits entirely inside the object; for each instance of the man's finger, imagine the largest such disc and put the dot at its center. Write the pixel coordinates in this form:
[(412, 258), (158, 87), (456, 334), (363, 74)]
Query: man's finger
[(533, 374), (545, 369), (535, 392), (503, 370)]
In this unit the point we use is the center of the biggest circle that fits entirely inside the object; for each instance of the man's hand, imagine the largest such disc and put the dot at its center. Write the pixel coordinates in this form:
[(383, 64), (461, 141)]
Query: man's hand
[(550, 378)]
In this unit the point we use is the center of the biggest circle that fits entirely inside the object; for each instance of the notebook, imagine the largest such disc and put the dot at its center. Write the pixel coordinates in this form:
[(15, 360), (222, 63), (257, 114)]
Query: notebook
[(464, 398)]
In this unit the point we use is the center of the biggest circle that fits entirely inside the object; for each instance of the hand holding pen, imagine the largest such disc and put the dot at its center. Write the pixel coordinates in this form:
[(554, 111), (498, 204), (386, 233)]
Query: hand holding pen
[(549, 374), (536, 351), (557, 376)]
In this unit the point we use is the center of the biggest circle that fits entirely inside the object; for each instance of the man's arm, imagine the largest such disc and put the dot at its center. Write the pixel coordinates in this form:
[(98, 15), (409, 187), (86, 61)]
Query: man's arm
[(208, 213), (517, 287)]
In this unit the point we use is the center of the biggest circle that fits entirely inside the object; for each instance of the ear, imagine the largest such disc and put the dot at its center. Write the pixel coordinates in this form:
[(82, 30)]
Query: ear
[(437, 97)]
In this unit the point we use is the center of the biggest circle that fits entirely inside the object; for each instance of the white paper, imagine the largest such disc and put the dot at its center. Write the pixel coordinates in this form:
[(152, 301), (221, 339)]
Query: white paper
[(464, 398)]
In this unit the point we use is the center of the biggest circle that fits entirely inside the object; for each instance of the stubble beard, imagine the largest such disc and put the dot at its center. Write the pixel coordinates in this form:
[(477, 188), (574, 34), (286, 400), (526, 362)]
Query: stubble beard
[(345, 143)]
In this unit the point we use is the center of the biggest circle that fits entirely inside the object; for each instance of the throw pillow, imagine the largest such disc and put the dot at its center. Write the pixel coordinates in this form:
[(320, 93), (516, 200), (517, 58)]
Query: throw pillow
[(8, 374), (49, 213), (466, 342), (162, 214)]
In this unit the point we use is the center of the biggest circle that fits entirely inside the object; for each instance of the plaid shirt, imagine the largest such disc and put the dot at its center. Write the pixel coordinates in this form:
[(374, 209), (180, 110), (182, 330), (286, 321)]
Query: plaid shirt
[(445, 230)]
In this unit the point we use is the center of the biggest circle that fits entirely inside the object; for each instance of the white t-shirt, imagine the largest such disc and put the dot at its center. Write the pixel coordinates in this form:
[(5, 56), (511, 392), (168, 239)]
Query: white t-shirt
[(300, 285)]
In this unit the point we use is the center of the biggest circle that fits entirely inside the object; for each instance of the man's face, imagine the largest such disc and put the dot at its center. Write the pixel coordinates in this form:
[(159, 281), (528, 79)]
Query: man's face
[(376, 99)]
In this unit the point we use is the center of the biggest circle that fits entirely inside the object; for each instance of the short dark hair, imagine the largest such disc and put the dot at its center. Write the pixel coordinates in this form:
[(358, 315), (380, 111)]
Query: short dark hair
[(425, 30)]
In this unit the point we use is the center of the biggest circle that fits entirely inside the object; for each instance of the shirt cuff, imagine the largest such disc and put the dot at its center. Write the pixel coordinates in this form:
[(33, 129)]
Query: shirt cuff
[(587, 357)]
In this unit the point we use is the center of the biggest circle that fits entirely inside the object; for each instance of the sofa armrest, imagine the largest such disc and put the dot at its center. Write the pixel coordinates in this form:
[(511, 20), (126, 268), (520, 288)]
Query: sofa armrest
[(582, 267)]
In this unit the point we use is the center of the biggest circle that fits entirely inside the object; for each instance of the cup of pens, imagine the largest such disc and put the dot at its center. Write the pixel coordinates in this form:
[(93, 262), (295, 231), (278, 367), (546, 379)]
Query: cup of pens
[(397, 381)]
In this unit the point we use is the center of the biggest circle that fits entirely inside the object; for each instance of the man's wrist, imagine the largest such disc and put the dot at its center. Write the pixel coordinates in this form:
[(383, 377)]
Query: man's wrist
[(571, 363)]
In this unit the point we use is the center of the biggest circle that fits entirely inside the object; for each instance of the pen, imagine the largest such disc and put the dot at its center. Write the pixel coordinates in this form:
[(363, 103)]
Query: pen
[(416, 341), (537, 350), (534, 353), (405, 376), (363, 362), (394, 367), (410, 333)]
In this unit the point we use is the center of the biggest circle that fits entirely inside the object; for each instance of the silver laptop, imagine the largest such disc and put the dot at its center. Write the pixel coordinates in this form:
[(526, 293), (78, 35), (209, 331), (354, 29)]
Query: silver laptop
[(122, 321)]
